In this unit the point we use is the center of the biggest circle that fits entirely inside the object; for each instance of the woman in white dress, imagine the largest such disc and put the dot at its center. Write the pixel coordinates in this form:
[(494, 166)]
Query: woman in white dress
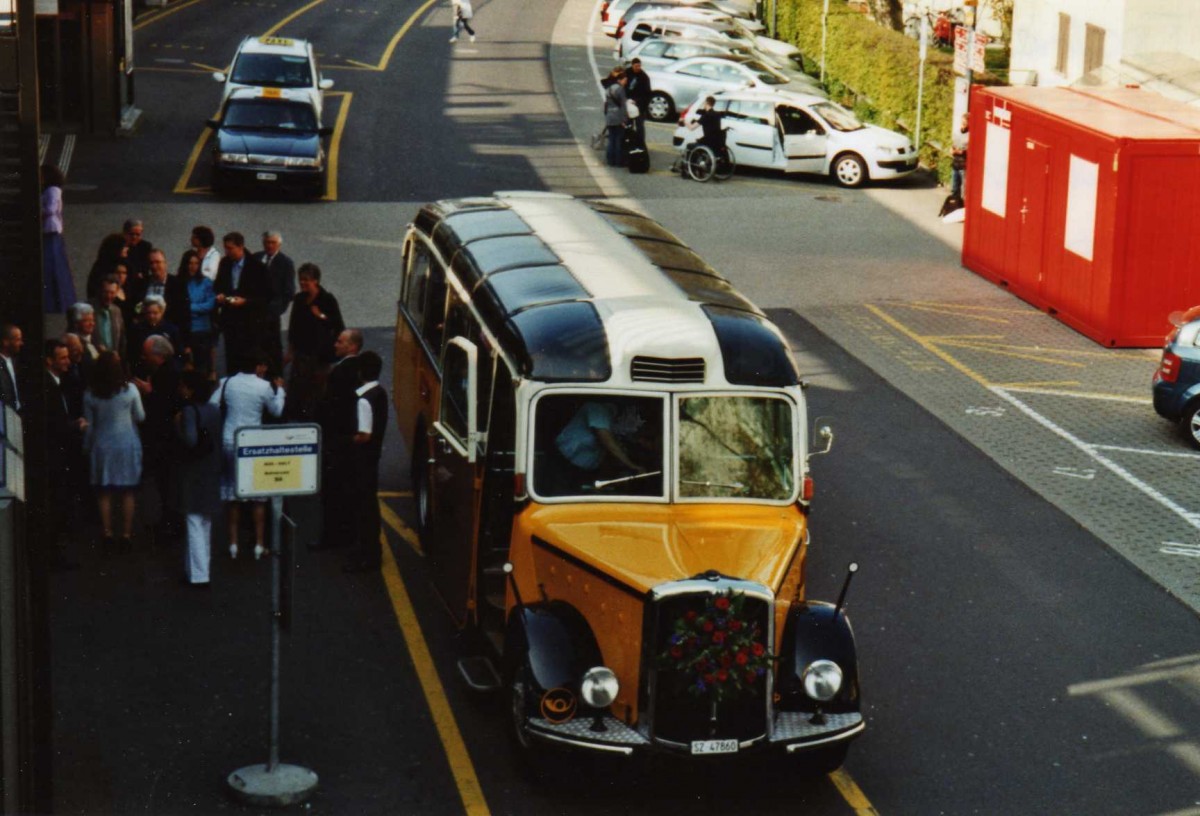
[(244, 399)]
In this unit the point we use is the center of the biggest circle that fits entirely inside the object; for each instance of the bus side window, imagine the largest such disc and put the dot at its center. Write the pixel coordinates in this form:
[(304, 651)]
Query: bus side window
[(416, 283), (454, 392), (434, 318)]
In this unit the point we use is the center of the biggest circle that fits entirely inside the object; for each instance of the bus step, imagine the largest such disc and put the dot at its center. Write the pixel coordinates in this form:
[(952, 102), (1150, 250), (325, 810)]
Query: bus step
[(478, 673)]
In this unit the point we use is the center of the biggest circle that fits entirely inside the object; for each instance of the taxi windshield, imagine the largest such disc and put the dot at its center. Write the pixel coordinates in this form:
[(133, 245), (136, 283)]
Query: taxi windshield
[(736, 447), (272, 70), (598, 445), (263, 114), (838, 117)]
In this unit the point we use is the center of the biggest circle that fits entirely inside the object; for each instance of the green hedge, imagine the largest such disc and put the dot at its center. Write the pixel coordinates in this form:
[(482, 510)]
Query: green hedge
[(874, 70)]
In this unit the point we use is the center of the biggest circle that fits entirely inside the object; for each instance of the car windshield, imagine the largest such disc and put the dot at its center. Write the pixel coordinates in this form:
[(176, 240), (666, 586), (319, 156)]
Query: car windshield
[(765, 74), (838, 117), (272, 70), (736, 447), (598, 445), (262, 114)]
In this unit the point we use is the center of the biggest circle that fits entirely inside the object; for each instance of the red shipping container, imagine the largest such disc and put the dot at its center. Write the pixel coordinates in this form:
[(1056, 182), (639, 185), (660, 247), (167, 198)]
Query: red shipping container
[(1086, 203)]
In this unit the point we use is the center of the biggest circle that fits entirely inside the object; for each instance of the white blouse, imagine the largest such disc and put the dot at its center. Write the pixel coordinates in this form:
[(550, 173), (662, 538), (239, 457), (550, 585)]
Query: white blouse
[(52, 210), (247, 396)]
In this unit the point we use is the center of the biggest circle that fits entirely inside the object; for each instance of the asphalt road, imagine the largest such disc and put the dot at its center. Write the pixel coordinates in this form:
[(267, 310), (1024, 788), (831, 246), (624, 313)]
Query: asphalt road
[(1012, 662)]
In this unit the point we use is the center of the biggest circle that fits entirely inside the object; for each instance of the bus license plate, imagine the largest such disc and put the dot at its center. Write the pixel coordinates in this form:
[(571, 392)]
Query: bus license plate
[(266, 176), (725, 746)]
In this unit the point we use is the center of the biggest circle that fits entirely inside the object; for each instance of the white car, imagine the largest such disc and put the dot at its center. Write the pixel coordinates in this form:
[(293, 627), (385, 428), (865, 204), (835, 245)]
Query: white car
[(681, 83), (647, 27), (659, 52), (613, 11), (275, 62), (800, 133)]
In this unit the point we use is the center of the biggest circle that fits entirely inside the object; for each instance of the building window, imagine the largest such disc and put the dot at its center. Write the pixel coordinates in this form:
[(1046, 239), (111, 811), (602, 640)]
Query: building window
[(1064, 42), (1093, 48)]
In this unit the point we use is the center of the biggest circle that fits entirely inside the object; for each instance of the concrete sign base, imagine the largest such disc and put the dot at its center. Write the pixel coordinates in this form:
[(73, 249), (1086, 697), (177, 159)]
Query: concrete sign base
[(286, 785)]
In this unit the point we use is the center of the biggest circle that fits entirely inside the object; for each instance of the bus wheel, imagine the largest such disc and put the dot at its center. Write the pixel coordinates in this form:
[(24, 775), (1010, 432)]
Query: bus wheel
[(420, 483)]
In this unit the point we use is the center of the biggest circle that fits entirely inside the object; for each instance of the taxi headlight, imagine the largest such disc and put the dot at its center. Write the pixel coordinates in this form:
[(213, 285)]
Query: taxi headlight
[(599, 687), (300, 161), (822, 680), (234, 158)]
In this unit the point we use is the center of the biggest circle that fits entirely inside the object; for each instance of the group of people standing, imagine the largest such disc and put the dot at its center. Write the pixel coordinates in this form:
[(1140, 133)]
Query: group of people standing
[(626, 99), (133, 396)]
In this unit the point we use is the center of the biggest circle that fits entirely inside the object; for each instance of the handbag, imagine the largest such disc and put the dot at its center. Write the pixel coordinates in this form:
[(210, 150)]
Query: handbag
[(631, 109)]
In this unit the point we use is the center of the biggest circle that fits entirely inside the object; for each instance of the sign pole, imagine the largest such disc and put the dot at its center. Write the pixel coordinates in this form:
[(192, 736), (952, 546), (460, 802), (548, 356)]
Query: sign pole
[(276, 461), (924, 53), (824, 36)]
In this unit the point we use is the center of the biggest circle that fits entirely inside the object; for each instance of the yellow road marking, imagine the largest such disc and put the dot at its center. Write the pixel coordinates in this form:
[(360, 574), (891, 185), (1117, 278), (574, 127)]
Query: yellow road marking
[(156, 69), (941, 310), (154, 18), (469, 788), (949, 359), (209, 67), (387, 54), (335, 146), (356, 62), (181, 186), (291, 17), (967, 307), (1007, 351), (1037, 386), (1021, 388), (853, 795), (395, 494), (403, 530)]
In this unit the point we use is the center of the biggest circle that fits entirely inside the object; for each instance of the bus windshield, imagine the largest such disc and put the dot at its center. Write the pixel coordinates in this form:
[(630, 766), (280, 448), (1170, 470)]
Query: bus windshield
[(736, 447), (597, 445)]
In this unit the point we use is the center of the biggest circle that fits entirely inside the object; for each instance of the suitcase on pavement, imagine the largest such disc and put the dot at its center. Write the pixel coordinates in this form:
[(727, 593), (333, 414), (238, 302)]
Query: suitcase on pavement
[(637, 157)]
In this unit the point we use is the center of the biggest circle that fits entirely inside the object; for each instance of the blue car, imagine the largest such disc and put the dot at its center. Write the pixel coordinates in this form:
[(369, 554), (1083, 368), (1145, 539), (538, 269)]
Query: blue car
[(1177, 380), (268, 137)]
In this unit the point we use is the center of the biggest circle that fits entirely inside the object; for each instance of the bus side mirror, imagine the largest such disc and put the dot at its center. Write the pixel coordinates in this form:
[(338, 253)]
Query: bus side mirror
[(823, 442)]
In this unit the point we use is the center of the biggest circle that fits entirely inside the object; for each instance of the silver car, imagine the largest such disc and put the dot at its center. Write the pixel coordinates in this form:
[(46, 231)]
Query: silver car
[(645, 27), (659, 52), (681, 83), (614, 11)]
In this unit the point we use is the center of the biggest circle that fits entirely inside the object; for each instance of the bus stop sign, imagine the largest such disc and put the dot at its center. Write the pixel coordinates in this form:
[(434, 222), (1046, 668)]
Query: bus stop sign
[(278, 460)]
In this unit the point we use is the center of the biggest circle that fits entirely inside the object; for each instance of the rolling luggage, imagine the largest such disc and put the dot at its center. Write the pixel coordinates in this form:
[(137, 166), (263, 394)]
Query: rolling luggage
[(637, 157)]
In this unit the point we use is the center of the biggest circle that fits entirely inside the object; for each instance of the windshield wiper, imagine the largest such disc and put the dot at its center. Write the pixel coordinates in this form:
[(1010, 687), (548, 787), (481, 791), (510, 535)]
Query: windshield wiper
[(606, 482), (735, 486)]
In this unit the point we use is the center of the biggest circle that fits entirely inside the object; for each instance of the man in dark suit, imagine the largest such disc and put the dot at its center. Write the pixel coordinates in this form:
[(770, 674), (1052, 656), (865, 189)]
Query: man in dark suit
[(160, 396), (11, 343), (243, 292), (64, 432), (339, 421), (282, 274), (371, 413), (137, 257), (110, 325), (171, 288)]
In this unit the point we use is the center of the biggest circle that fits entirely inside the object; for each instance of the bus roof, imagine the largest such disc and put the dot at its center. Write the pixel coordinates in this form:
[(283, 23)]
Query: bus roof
[(589, 291)]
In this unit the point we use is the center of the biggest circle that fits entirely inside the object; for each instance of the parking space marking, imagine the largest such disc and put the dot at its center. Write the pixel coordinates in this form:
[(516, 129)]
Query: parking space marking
[(154, 18), (469, 789), (1148, 452), (273, 29), (335, 145), (181, 186), (1031, 388)]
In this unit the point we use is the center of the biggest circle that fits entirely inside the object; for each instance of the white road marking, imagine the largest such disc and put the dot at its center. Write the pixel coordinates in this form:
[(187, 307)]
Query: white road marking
[(43, 146), (1077, 473), (1053, 392), (1191, 517), (986, 410), (1148, 452), (1176, 548), (1149, 720), (68, 150)]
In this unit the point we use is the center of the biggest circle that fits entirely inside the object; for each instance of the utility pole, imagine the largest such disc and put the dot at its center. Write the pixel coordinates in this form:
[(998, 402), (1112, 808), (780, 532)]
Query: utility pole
[(824, 35)]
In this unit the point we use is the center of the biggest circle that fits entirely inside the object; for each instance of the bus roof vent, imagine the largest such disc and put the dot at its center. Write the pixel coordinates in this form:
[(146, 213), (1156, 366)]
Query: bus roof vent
[(663, 369)]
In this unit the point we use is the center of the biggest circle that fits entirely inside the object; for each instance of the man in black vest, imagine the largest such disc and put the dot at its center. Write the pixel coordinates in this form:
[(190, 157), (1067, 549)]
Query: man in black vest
[(372, 412), (338, 417)]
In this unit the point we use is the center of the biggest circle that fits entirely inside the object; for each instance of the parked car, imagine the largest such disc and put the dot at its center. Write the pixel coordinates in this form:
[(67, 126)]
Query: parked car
[(647, 27), (611, 13), (659, 52), (275, 62), (680, 84), (268, 137), (779, 53), (687, 13), (800, 133), (1176, 384)]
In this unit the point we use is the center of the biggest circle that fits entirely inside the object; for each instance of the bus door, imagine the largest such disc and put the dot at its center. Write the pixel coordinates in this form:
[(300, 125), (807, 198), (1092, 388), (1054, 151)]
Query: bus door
[(455, 511)]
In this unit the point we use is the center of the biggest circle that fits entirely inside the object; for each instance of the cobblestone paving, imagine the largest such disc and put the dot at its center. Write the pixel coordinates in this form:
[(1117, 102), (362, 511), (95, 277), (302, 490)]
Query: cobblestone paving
[(1070, 419)]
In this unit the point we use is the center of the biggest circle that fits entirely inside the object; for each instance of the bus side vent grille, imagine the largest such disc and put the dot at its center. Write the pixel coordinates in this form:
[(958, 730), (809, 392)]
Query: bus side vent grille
[(661, 369)]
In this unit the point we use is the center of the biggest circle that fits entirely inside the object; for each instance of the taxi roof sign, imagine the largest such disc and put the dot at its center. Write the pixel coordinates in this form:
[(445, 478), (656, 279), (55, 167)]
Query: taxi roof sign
[(284, 41), (272, 93)]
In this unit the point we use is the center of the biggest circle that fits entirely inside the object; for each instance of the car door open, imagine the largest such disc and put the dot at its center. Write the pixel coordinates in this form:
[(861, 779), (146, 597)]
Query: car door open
[(804, 140)]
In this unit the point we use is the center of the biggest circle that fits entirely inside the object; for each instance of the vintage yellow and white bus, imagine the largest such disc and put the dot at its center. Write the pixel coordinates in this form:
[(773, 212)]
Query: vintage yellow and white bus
[(610, 472)]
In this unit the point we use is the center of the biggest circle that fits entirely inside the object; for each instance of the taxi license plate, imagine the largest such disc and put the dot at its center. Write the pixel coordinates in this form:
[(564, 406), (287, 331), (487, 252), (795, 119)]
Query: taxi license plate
[(725, 746), (266, 176)]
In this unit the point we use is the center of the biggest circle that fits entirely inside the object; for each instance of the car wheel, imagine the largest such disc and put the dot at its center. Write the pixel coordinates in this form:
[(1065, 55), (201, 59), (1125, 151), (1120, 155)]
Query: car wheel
[(1191, 423), (660, 107), (420, 486), (849, 170)]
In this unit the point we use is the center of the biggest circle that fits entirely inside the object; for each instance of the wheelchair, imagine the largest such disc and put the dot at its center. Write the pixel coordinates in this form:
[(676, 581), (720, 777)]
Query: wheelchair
[(701, 162)]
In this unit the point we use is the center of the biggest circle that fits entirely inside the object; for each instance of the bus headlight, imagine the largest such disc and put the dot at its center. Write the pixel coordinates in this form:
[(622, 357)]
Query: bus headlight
[(599, 687), (822, 680)]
